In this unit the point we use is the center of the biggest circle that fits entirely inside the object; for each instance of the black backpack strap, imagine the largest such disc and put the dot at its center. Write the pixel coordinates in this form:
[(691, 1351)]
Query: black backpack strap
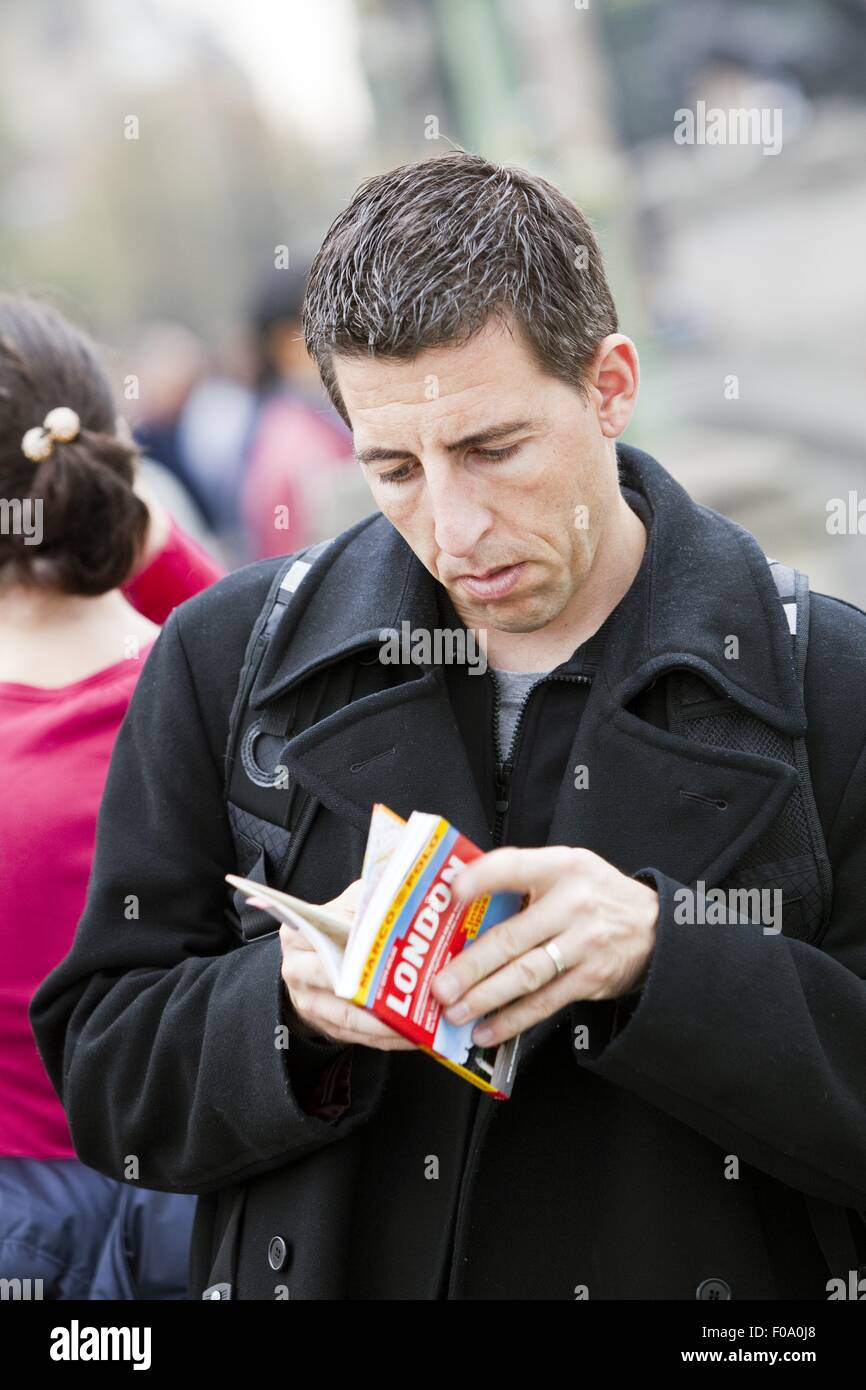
[(793, 589), (282, 587), (267, 825)]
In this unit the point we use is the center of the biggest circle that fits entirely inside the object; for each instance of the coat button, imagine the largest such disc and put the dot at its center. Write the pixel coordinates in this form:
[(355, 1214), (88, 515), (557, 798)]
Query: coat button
[(713, 1288), (277, 1252), (218, 1292)]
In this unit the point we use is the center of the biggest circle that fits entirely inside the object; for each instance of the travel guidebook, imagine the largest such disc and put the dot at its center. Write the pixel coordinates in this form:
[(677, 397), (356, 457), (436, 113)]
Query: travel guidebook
[(407, 926)]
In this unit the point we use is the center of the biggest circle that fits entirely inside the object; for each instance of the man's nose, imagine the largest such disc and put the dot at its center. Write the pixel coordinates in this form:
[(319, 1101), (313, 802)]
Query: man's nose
[(460, 517)]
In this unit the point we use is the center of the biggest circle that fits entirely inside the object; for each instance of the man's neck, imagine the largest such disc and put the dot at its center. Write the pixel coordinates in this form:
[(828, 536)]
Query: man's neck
[(617, 560)]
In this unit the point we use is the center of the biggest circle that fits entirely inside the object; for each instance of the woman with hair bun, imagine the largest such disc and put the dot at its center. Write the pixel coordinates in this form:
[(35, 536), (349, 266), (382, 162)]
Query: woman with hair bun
[(90, 565)]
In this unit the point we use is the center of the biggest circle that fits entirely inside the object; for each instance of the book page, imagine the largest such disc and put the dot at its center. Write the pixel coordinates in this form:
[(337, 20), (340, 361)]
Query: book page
[(386, 831), (412, 839), (276, 902), (329, 951)]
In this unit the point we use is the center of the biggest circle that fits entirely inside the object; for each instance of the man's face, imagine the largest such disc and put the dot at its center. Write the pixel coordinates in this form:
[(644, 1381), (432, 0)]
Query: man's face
[(484, 464)]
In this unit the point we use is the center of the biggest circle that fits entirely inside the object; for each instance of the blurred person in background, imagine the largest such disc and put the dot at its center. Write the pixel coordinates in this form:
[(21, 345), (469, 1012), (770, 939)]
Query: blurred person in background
[(299, 456), (169, 361), (90, 565), (213, 431), (191, 422)]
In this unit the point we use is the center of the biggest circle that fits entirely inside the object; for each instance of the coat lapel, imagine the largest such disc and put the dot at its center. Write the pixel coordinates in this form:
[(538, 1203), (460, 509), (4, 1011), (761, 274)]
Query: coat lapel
[(703, 600), (400, 746), (655, 799)]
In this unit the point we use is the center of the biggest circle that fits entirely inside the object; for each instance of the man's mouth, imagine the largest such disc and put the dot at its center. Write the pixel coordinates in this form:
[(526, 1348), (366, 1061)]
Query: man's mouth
[(493, 583)]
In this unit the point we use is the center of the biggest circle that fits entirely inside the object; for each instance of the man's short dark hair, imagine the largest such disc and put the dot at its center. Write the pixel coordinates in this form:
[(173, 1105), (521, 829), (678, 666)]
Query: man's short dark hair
[(425, 254)]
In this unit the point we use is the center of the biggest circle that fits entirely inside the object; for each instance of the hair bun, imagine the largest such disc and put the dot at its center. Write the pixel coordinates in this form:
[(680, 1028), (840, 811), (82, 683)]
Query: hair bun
[(93, 524)]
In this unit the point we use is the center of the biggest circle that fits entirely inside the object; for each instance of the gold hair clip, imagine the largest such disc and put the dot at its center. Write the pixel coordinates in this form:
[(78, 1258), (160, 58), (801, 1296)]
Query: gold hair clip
[(60, 426)]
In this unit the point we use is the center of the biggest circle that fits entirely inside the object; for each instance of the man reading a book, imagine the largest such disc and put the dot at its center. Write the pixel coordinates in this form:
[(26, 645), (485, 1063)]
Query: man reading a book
[(688, 1117)]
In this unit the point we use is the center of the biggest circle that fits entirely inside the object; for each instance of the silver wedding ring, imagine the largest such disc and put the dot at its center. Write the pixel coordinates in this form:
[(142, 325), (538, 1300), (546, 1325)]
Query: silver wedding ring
[(556, 956)]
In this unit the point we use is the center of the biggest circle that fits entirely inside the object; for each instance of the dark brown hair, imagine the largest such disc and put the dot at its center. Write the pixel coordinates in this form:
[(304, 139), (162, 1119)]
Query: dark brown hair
[(92, 523), (426, 253)]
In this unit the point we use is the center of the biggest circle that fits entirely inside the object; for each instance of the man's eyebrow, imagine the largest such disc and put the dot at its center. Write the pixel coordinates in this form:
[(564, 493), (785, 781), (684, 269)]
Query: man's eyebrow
[(375, 454)]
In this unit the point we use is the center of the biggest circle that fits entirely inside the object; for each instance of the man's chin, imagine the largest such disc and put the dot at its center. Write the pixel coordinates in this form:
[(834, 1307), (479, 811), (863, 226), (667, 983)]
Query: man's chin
[(528, 613)]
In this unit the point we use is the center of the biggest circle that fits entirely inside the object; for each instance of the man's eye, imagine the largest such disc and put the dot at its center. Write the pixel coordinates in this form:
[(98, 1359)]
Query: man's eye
[(505, 453), (402, 474), (398, 475)]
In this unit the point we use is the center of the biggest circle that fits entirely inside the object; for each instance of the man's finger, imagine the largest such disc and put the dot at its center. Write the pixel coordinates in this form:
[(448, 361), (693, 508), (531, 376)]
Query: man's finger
[(304, 968), (343, 1020), (512, 870), (291, 936), (369, 1025), (525, 1012), (508, 941)]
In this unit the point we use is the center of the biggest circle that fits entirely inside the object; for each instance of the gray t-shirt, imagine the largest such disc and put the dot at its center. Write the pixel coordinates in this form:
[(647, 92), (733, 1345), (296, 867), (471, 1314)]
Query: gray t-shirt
[(512, 687)]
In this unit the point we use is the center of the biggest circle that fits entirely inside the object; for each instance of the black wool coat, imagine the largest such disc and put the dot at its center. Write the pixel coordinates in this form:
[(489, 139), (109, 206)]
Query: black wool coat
[(671, 1157)]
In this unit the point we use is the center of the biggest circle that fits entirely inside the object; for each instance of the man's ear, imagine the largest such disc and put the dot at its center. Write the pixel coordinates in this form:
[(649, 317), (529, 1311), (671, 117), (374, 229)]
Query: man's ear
[(615, 376)]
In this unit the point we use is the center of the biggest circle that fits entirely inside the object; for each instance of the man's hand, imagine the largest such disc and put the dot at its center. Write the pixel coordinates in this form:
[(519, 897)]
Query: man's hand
[(602, 921), (312, 998)]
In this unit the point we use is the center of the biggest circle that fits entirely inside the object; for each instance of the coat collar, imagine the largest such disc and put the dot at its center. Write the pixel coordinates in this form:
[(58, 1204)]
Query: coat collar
[(703, 580)]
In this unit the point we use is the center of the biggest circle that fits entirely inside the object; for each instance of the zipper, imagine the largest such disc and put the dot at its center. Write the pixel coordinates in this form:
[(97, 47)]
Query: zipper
[(505, 769), (482, 1117)]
